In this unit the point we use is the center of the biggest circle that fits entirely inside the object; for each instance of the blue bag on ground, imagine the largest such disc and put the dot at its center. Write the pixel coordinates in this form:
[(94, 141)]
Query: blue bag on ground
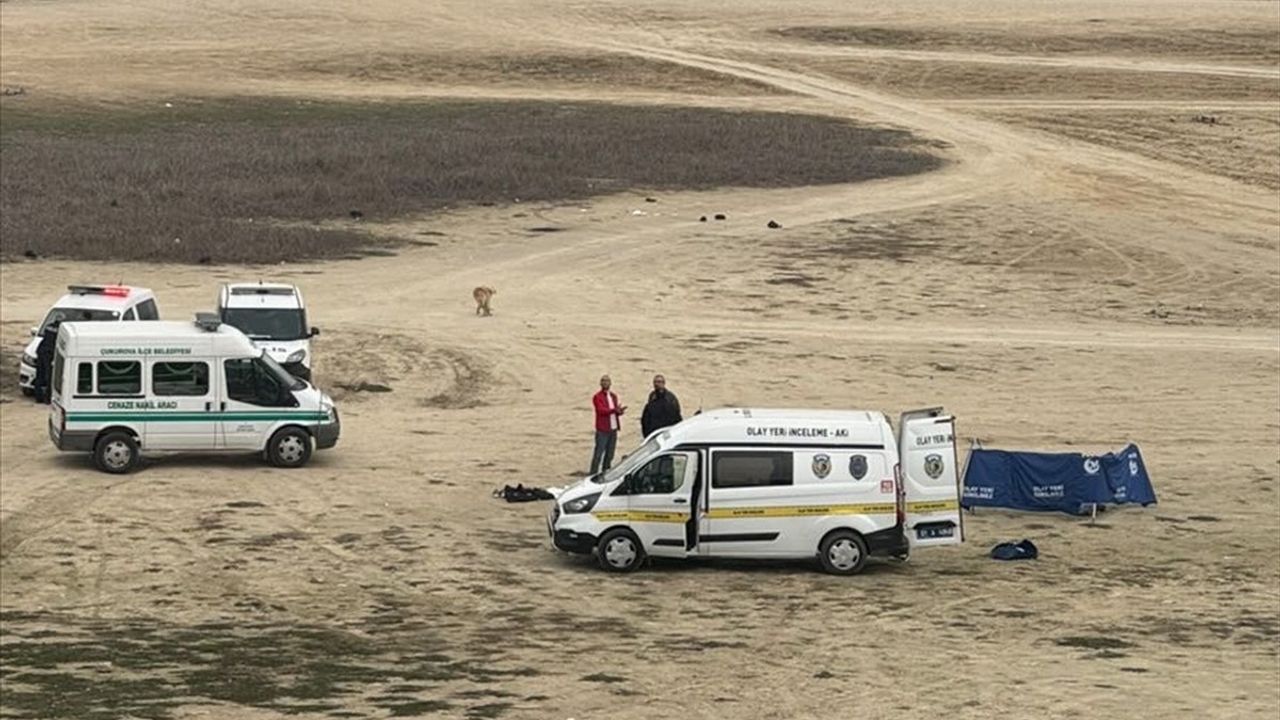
[(1024, 550)]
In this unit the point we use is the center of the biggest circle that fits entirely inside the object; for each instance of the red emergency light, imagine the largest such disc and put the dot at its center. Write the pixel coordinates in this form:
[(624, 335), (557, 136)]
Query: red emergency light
[(115, 291), (108, 290)]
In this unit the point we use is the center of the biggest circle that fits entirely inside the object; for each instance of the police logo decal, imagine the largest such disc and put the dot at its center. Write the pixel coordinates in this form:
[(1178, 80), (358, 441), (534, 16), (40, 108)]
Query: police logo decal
[(858, 466), (1092, 465), (821, 465), (933, 466)]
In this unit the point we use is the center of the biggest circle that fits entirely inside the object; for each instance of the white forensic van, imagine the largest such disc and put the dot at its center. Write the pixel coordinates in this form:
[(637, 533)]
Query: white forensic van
[(275, 319), (737, 483), (87, 303), (119, 390)]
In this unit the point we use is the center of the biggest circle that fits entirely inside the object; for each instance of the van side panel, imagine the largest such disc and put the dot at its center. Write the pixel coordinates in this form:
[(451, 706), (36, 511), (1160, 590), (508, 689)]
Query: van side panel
[(827, 489)]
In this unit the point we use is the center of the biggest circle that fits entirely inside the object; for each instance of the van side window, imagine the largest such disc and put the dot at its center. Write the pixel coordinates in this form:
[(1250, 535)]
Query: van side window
[(750, 468), (84, 379), (147, 310), (58, 365), (180, 378), (250, 382), (130, 314), (660, 476), (120, 378)]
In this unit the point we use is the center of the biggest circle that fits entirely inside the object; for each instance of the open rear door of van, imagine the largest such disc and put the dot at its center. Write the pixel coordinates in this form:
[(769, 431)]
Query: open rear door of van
[(930, 478)]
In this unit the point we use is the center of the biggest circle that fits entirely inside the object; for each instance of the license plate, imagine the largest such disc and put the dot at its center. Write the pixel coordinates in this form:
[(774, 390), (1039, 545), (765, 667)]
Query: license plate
[(931, 533)]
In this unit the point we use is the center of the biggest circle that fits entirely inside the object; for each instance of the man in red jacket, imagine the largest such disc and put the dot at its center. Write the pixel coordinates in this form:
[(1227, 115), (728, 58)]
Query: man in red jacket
[(608, 423)]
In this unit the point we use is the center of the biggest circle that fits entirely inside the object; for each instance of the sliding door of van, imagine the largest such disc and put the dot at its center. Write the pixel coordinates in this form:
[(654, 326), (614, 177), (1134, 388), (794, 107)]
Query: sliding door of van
[(182, 415), (744, 513)]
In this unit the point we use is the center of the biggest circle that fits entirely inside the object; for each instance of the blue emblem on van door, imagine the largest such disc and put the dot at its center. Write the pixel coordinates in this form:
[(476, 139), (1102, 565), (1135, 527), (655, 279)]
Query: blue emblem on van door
[(858, 466)]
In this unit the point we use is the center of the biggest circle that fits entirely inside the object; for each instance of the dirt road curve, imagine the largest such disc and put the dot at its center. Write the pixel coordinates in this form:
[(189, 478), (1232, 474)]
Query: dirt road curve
[(1055, 291)]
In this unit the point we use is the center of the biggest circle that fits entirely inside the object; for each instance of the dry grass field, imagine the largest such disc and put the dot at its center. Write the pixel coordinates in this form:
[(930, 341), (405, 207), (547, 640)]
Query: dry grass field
[(1058, 219)]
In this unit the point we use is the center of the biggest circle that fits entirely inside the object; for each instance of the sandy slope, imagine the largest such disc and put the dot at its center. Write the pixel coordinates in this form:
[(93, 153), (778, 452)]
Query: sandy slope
[(1053, 292)]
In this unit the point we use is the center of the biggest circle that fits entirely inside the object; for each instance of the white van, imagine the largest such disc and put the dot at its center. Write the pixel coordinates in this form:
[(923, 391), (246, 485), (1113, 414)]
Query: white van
[(119, 390), (89, 303), (275, 319), (734, 483)]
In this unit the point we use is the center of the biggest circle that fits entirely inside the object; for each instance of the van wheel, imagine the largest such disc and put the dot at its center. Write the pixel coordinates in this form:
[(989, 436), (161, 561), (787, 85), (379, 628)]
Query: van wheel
[(116, 453), (289, 448), (620, 551), (843, 553)]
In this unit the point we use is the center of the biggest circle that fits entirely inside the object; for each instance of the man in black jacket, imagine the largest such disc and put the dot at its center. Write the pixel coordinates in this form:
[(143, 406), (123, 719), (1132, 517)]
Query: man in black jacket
[(44, 361), (662, 410)]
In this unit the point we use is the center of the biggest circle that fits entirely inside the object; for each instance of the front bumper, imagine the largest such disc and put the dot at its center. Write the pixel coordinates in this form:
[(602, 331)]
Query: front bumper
[(26, 376), (327, 433), (569, 540)]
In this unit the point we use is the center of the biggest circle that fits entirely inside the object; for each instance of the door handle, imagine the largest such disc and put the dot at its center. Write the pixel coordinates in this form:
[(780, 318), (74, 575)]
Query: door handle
[(208, 406), (224, 406), (680, 501)]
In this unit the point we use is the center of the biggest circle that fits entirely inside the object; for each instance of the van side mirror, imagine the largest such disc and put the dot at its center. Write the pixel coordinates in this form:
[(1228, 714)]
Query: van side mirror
[(315, 331), (34, 331)]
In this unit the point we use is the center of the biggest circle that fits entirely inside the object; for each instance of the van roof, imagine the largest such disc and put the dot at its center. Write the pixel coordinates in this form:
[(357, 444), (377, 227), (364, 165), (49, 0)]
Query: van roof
[(225, 340), (769, 426), (102, 301), (281, 296)]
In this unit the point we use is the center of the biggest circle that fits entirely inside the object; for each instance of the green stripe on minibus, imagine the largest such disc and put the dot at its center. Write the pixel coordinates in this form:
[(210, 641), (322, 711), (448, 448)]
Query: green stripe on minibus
[(189, 417)]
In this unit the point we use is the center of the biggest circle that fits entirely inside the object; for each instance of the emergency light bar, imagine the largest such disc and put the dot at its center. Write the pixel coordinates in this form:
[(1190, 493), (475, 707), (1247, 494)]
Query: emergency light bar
[(108, 290)]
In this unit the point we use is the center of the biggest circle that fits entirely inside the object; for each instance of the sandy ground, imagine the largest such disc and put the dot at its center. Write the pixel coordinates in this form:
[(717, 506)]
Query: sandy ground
[(1060, 286)]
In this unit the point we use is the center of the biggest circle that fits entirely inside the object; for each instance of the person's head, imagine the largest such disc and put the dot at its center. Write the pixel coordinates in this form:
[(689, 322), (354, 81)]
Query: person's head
[(605, 382), (659, 384)]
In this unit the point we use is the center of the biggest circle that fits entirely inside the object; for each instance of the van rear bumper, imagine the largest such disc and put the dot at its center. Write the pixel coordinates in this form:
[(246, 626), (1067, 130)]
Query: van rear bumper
[(72, 440), (889, 541)]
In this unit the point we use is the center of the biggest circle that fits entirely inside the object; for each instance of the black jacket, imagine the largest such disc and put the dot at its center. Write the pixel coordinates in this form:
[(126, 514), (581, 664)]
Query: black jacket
[(661, 411)]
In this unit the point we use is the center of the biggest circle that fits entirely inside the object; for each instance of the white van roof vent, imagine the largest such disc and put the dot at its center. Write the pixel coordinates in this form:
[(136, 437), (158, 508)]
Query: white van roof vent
[(208, 321)]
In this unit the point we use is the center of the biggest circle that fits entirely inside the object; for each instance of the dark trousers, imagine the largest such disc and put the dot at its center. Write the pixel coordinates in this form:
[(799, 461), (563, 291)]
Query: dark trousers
[(602, 457)]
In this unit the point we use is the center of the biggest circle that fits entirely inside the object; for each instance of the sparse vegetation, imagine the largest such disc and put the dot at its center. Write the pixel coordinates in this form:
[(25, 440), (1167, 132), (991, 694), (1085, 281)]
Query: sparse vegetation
[(269, 181)]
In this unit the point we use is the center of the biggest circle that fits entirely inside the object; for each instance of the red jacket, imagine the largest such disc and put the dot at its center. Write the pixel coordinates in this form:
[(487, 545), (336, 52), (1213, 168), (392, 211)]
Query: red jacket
[(607, 414)]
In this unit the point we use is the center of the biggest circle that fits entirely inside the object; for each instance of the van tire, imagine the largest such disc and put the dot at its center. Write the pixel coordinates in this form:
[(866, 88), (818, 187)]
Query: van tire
[(843, 552), (289, 448), (116, 452), (620, 551)]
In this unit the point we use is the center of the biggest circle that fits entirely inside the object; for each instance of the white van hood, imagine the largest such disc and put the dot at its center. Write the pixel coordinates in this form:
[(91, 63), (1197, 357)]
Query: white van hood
[(280, 350)]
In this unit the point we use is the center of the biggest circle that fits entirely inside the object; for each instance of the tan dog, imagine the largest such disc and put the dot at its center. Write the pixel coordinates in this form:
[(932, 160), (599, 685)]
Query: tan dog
[(482, 297)]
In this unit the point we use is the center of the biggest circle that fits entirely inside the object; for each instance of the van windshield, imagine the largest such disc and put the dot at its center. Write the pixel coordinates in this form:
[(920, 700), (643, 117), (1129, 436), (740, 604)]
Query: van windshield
[(267, 323), (77, 315), (629, 463), (281, 374)]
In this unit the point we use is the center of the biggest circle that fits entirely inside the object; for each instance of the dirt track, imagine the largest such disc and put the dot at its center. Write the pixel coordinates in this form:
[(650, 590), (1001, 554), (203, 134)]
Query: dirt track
[(1053, 291)]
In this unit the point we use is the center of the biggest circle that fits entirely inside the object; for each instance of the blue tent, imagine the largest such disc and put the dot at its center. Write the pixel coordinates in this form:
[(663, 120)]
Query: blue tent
[(1066, 482)]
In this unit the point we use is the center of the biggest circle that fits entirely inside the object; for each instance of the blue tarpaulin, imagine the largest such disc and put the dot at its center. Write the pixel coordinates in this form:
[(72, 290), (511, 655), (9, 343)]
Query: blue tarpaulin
[(1066, 482)]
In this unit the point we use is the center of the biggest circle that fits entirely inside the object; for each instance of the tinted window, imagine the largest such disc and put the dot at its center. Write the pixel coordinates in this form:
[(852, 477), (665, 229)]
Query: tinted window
[(250, 381), (660, 476), (77, 315), (84, 379), (147, 310), (130, 314), (751, 468), (120, 378), (180, 378), (58, 364)]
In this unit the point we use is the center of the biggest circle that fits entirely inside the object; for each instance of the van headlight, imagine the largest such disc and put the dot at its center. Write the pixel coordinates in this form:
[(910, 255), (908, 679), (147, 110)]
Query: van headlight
[(296, 356), (30, 359), (582, 504)]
